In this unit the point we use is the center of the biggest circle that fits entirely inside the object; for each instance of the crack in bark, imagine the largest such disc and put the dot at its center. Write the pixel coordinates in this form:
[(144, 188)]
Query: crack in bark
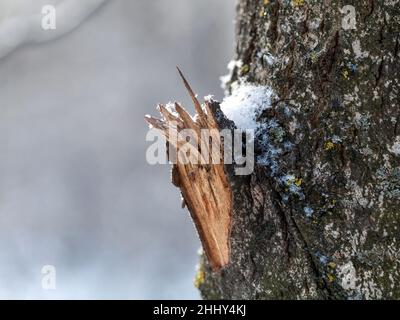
[(371, 6), (396, 47), (396, 126), (328, 61), (306, 250), (274, 17), (378, 76)]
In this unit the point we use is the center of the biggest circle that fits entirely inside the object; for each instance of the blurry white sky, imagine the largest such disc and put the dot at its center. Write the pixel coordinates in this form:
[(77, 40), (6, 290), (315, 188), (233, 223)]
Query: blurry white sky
[(20, 20), (75, 189)]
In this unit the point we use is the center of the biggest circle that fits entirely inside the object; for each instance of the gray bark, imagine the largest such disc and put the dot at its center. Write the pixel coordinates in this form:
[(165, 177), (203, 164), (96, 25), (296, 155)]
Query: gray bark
[(337, 103)]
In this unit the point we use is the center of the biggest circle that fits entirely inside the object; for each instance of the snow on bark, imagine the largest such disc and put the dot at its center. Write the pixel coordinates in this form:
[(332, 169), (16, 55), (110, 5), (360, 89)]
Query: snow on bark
[(319, 217)]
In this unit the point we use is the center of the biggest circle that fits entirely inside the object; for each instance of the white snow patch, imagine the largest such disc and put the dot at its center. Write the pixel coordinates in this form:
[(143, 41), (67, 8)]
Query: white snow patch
[(231, 67), (308, 212), (357, 50), (293, 125), (245, 103), (269, 59), (330, 231), (336, 139), (395, 148), (347, 274), (170, 106)]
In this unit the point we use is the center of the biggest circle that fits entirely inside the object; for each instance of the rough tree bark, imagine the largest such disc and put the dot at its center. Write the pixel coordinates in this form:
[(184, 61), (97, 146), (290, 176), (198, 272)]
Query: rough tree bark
[(330, 230)]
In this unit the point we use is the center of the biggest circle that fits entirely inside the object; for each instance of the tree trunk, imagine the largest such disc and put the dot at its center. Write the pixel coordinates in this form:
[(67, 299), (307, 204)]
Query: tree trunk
[(319, 217)]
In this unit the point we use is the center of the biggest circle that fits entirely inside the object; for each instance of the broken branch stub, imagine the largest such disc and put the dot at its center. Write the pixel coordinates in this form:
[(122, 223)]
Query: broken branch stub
[(204, 184)]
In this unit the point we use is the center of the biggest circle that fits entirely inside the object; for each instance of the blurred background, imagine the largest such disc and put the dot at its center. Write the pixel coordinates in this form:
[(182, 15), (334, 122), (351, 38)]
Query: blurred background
[(76, 191)]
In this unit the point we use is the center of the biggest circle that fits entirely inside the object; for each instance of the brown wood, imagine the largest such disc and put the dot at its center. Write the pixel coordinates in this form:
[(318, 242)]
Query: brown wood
[(204, 187)]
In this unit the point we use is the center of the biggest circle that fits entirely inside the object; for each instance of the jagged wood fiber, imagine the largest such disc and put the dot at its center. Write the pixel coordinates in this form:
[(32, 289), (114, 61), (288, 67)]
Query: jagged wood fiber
[(204, 185)]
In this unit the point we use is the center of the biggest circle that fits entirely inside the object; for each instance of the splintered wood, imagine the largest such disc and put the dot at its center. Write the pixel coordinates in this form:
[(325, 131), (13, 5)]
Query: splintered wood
[(204, 183)]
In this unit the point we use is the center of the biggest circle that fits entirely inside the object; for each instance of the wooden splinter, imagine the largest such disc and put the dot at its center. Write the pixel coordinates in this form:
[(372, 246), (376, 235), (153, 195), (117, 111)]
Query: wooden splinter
[(204, 185)]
